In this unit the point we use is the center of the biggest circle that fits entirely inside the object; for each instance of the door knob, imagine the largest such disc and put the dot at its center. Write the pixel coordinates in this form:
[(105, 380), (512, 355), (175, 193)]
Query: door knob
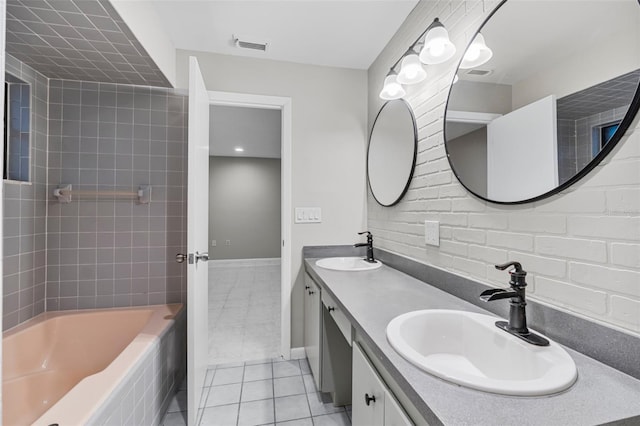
[(180, 258), (202, 256)]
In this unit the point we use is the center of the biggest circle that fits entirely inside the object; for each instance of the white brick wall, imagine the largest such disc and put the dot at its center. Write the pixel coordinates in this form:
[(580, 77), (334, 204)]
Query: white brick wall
[(581, 247)]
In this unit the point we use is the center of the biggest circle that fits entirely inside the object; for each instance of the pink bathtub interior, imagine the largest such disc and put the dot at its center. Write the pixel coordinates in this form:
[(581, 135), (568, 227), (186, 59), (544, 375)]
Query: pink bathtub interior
[(57, 354)]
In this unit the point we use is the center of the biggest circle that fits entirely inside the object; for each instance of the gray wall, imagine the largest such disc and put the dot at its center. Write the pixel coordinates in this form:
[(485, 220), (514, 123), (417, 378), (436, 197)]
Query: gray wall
[(480, 97), (25, 214), (115, 252), (244, 207), (469, 154)]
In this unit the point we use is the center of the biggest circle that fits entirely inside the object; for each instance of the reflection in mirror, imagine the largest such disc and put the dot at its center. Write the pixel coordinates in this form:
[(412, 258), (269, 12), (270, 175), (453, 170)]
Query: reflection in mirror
[(17, 125), (558, 93), (391, 158)]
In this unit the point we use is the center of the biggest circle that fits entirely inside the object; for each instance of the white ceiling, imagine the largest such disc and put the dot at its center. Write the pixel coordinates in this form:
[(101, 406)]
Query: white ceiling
[(254, 129), (339, 33), (527, 38)]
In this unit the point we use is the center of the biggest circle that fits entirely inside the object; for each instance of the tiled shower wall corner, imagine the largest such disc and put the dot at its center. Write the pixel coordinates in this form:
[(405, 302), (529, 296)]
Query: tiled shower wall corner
[(567, 150), (25, 214), (581, 247), (584, 130), (115, 252), (575, 141)]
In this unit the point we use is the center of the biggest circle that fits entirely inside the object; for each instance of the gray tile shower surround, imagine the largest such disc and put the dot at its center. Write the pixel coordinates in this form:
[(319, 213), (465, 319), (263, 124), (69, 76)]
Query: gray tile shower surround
[(579, 112), (113, 253), (24, 220), (78, 40), (602, 394)]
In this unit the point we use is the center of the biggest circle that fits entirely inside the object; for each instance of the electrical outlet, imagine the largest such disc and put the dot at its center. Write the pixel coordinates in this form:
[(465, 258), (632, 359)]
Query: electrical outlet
[(432, 233), (214, 243), (227, 242)]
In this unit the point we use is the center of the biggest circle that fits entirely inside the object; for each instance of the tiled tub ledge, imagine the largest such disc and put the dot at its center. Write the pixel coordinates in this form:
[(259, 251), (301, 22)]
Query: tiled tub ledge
[(370, 299), (143, 397)]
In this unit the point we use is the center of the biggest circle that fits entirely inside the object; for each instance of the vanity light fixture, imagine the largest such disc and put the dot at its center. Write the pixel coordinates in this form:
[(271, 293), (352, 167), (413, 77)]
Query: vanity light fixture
[(477, 54), (392, 89), (432, 47), (437, 46), (411, 70), (238, 149)]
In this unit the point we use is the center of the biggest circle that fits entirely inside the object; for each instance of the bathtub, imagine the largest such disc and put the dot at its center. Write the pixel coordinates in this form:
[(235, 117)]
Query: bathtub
[(100, 366)]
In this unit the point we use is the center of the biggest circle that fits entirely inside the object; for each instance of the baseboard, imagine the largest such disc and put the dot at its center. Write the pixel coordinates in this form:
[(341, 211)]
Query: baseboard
[(298, 353)]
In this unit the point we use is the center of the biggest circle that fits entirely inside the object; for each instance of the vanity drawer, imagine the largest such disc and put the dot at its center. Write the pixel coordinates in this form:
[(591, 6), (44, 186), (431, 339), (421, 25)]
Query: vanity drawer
[(338, 316)]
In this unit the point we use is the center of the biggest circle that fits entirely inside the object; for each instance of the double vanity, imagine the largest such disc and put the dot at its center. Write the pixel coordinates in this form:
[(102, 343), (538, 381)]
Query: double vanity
[(403, 351)]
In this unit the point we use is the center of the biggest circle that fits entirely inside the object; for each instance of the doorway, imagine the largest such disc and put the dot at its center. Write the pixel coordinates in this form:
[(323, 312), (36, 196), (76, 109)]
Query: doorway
[(249, 198)]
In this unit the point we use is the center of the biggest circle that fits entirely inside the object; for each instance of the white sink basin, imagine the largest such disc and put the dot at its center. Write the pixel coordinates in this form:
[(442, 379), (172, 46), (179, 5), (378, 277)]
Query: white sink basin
[(347, 264), (468, 349)]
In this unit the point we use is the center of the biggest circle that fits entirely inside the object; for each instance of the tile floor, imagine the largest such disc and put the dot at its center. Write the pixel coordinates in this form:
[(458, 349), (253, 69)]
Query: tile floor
[(267, 392), (244, 310)]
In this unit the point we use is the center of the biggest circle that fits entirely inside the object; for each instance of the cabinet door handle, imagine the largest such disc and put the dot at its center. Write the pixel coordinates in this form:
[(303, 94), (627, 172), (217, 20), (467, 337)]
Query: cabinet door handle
[(311, 292), (331, 308), (306, 287), (369, 399)]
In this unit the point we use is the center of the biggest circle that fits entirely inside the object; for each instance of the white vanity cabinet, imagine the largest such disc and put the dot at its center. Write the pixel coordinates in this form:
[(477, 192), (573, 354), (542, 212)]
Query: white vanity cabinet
[(372, 402), (313, 327)]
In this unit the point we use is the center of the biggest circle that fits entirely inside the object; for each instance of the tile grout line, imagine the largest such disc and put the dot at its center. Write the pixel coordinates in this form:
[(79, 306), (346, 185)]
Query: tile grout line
[(244, 366), (273, 391)]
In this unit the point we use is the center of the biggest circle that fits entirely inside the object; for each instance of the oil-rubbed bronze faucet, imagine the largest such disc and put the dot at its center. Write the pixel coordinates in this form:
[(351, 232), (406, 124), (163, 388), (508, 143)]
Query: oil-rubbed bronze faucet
[(517, 324), (369, 245)]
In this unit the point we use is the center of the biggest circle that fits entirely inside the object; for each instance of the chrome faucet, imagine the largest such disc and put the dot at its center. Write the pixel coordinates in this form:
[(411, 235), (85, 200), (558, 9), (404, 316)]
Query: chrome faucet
[(517, 324), (368, 244)]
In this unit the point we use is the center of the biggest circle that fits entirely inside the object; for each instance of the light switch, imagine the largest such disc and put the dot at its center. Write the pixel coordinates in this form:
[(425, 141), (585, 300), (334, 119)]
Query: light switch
[(432, 233), (308, 215)]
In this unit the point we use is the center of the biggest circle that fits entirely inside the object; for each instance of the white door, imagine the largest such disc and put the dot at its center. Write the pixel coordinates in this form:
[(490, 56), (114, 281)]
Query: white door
[(522, 152), (197, 236)]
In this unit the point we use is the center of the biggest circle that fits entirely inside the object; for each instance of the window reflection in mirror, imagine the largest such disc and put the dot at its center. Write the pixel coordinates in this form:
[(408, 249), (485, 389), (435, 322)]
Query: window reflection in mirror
[(17, 128), (559, 90)]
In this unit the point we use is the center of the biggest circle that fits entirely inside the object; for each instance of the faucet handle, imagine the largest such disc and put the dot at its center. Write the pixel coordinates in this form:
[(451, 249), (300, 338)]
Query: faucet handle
[(365, 232), (516, 265), (517, 274)]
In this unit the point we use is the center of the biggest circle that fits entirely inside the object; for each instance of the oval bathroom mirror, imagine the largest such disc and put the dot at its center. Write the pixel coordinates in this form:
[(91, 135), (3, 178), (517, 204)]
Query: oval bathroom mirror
[(558, 92), (391, 157)]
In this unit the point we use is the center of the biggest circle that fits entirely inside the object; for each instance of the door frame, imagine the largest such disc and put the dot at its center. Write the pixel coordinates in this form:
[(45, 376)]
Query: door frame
[(284, 105)]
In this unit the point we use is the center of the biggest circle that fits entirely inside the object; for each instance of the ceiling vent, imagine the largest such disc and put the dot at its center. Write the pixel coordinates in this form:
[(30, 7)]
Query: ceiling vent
[(248, 43), (479, 73)]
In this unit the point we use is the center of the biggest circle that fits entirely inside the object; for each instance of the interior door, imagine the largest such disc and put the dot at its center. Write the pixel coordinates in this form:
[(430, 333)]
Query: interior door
[(197, 236), (522, 152)]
